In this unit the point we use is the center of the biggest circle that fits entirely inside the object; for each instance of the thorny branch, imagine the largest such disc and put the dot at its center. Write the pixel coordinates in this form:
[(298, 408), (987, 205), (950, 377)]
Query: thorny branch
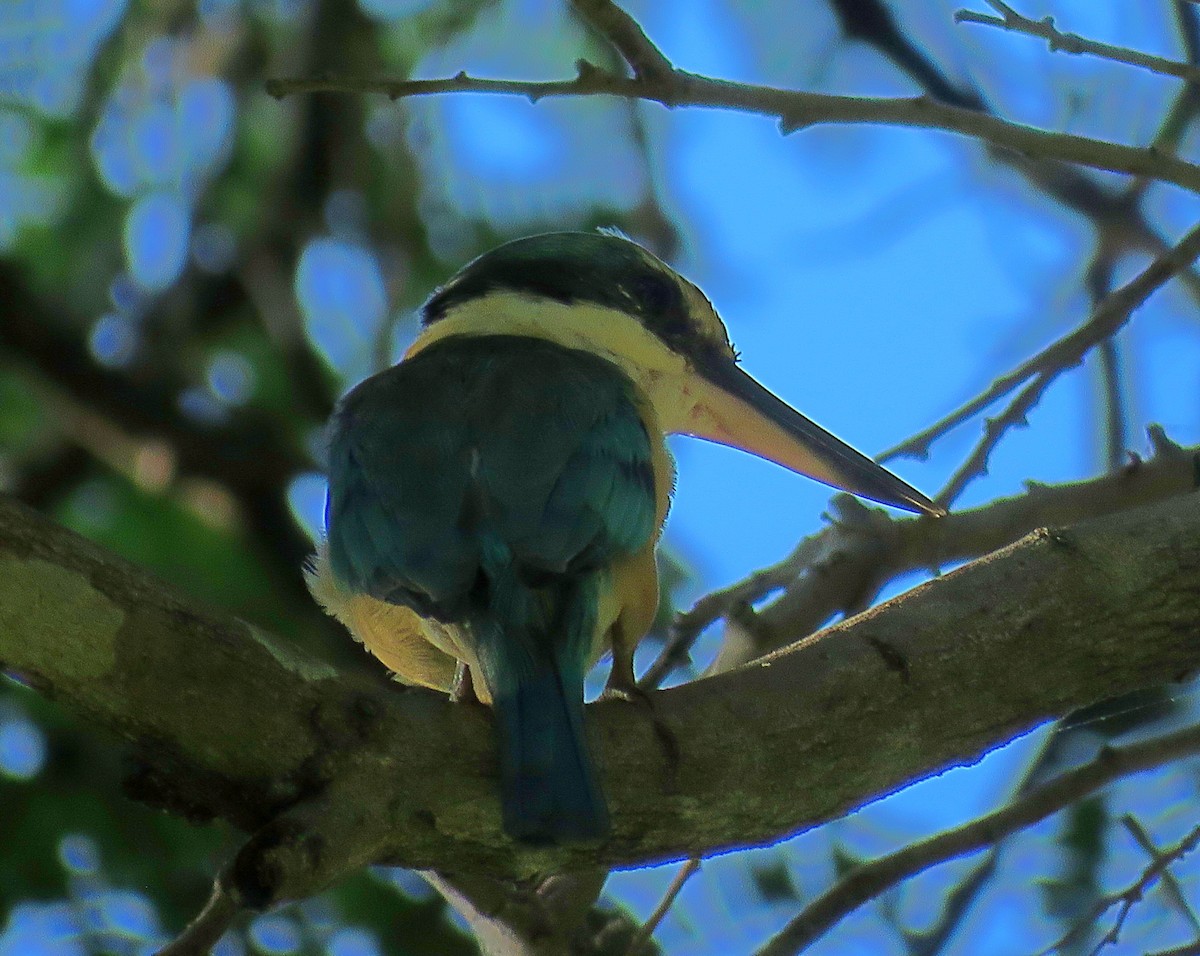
[(994, 430)]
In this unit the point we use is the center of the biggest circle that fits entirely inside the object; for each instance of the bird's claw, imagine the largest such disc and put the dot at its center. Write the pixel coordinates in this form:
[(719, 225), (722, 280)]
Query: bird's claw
[(631, 693)]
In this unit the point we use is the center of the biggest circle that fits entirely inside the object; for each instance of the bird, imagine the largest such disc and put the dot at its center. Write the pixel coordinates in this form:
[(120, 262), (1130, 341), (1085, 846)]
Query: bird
[(496, 498)]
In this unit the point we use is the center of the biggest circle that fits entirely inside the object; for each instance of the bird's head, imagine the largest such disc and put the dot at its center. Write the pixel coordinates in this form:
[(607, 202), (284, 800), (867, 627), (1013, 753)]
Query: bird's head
[(604, 294)]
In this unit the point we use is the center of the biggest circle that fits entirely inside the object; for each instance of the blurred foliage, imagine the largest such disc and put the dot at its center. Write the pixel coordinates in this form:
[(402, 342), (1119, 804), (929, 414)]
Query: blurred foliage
[(159, 392), (773, 882), (190, 275), (167, 362), (1083, 844)]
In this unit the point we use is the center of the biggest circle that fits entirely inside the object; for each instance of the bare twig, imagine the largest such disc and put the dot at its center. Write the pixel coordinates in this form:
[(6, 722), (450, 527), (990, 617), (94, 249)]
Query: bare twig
[(1113, 402), (626, 35), (869, 880), (1127, 898), (794, 109), (646, 930), (1068, 351), (1058, 41), (1170, 885), (867, 528), (202, 934), (510, 918), (850, 560), (994, 430), (734, 601), (958, 904), (1186, 104), (960, 900), (1098, 280), (873, 23)]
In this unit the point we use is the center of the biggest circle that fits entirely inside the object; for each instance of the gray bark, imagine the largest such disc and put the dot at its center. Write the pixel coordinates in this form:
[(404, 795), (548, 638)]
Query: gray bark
[(329, 773)]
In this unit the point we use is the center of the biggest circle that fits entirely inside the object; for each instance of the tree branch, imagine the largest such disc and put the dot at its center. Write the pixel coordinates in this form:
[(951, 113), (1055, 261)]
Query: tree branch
[(518, 919), (994, 430), (229, 722), (647, 929), (1110, 315), (627, 38), (206, 930), (869, 880), (844, 565), (1170, 885), (1131, 895), (795, 109), (1058, 41)]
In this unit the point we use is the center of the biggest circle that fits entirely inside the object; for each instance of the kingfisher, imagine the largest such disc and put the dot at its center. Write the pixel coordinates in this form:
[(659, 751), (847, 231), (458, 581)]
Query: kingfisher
[(496, 498)]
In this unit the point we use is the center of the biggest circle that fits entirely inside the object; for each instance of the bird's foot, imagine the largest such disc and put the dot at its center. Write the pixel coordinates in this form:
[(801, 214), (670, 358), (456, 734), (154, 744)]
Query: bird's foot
[(629, 692), (626, 690)]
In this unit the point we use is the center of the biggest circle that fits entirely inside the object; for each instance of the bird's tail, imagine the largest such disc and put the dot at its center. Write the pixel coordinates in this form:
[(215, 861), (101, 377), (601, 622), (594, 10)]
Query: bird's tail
[(550, 790)]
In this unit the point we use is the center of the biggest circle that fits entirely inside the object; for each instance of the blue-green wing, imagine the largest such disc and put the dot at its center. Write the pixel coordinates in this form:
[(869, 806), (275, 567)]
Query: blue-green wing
[(485, 442)]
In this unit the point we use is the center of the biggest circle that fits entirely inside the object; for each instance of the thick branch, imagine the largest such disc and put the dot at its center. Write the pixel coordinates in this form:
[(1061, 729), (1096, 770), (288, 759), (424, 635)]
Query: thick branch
[(842, 567), (228, 721)]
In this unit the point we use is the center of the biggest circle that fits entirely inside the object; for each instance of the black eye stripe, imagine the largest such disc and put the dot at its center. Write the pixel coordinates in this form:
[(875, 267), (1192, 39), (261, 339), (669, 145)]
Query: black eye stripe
[(578, 267), (565, 267), (656, 294), (660, 304)]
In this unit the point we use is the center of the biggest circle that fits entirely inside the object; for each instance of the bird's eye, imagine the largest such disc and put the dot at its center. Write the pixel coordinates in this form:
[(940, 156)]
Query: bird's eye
[(655, 294)]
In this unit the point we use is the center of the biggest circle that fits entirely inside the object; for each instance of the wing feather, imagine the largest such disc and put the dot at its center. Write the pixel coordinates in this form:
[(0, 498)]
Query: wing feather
[(529, 441)]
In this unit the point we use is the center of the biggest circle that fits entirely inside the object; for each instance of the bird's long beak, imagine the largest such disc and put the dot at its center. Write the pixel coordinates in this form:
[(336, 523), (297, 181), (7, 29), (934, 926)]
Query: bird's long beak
[(731, 408)]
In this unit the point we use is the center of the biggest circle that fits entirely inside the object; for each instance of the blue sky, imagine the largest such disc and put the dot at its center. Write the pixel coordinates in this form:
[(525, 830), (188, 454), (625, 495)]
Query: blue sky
[(872, 277)]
